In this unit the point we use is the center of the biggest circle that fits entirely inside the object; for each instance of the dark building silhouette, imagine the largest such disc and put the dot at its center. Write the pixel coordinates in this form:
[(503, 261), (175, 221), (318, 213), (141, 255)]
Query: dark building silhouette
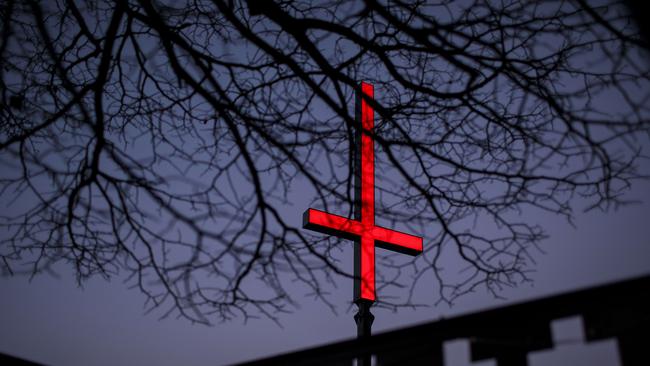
[(506, 334), (15, 361)]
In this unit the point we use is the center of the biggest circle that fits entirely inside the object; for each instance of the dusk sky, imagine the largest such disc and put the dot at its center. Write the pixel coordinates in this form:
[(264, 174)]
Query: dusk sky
[(52, 321), (182, 183)]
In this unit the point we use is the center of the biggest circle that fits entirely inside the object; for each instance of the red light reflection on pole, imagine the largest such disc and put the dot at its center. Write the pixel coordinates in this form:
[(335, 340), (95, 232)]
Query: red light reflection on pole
[(362, 229)]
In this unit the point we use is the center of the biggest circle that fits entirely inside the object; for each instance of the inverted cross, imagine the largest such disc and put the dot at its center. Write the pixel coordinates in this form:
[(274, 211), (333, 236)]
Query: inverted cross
[(362, 228)]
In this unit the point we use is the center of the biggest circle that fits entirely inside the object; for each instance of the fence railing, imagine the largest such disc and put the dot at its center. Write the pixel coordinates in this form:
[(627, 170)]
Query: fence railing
[(620, 311)]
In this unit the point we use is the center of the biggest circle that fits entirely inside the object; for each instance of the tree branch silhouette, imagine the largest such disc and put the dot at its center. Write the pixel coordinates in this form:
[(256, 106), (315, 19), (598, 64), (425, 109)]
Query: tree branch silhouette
[(166, 140)]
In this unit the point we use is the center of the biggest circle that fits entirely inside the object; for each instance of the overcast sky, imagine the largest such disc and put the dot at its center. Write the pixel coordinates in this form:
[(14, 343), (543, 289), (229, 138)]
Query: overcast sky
[(53, 321)]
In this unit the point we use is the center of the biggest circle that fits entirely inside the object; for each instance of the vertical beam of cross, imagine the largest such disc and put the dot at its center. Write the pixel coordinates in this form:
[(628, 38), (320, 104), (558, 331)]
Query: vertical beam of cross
[(364, 254), (362, 228)]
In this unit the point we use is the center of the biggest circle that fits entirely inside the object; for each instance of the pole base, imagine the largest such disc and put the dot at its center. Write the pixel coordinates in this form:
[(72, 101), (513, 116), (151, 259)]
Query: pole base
[(364, 319)]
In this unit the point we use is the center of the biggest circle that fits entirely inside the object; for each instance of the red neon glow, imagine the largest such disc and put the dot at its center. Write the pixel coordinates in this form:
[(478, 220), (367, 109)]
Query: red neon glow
[(363, 229)]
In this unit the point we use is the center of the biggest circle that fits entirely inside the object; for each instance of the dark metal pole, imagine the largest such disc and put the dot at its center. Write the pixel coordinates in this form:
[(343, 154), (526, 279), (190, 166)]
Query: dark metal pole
[(364, 319)]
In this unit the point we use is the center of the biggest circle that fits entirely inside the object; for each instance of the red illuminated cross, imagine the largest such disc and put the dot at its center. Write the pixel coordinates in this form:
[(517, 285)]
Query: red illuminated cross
[(362, 229)]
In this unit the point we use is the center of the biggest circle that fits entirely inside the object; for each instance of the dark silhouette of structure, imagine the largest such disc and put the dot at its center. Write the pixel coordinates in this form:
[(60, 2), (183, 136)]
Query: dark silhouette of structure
[(507, 334), (15, 361)]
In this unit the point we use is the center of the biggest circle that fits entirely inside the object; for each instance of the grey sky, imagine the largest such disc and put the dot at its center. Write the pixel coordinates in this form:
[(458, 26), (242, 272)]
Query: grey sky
[(51, 320)]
